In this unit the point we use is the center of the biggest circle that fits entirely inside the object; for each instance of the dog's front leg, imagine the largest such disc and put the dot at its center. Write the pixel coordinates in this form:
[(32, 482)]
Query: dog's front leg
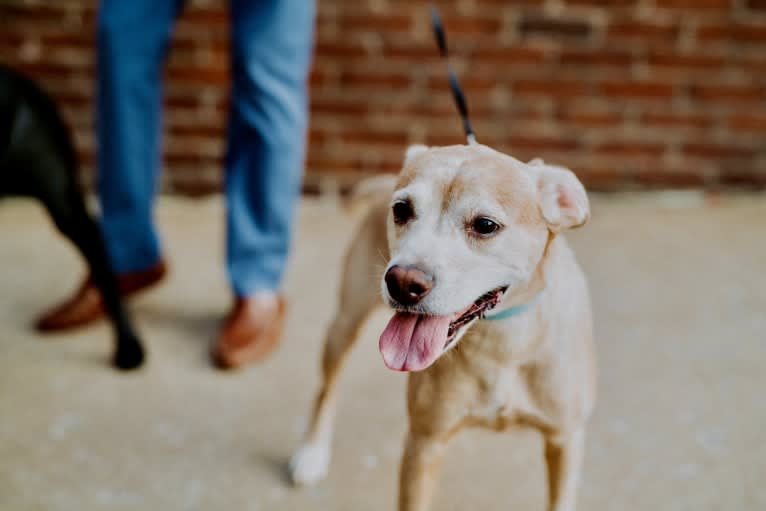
[(564, 457), (420, 467), (311, 461)]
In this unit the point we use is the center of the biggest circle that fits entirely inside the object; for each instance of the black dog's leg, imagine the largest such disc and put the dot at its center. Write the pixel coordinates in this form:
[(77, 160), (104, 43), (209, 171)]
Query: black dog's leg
[(69, 213), (39, 161)]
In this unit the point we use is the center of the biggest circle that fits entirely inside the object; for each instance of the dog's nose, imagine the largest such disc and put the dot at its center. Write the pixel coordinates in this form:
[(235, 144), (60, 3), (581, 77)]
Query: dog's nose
[(407, 284)]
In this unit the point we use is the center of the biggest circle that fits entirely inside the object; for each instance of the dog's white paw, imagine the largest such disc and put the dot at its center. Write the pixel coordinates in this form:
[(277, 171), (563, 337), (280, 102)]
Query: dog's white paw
[(309, 464)]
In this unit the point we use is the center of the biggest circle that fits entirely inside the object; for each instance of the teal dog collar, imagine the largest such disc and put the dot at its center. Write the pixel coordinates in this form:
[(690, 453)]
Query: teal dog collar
[(512, 311)]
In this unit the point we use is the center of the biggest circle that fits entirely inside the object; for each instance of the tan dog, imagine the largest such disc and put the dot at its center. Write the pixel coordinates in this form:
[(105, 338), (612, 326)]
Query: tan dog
[(471, 233)]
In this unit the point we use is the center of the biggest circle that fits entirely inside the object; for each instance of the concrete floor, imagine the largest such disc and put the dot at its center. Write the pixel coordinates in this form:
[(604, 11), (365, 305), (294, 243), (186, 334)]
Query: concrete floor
[(679, 290)]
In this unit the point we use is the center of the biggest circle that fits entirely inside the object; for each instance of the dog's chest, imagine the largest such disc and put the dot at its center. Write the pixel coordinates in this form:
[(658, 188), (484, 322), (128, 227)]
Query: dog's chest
[(505, 400), (495, 358)]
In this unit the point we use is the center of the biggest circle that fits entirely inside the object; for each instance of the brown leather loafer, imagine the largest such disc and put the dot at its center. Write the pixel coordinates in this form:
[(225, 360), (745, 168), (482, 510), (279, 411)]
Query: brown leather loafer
[(251, 332), (86, 306)]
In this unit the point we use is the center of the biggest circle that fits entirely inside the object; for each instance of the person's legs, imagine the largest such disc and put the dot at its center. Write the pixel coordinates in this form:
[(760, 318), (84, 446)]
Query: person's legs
[(271, 54), (132, 42)]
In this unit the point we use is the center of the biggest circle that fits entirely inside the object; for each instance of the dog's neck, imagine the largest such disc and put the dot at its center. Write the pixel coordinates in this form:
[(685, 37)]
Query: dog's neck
[(531, 291)]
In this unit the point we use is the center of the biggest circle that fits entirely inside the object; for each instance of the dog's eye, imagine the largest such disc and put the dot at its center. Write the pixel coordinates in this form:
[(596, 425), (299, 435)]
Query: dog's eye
[(484, 226), (403, 212)]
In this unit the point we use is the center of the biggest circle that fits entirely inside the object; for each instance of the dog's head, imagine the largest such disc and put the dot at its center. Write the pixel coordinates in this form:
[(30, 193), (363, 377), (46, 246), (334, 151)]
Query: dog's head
[(467, 226)]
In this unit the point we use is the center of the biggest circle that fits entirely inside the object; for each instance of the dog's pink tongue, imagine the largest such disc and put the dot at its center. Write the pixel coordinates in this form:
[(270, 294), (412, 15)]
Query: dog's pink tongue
[(412, 342)]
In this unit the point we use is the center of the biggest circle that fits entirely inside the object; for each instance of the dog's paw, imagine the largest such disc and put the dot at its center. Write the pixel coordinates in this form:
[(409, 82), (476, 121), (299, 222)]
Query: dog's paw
[(309, 464), (128, 356)]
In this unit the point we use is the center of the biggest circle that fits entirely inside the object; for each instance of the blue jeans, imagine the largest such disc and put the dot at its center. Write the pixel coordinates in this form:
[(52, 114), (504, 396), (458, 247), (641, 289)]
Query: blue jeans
[(271, 48)]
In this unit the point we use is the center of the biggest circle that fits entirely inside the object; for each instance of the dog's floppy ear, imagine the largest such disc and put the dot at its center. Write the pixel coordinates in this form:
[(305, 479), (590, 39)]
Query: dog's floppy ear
[(563, 200), (414, 150)]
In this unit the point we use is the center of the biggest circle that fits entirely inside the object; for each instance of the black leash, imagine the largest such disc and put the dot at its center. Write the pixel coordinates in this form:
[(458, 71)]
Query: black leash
[(457, 91)]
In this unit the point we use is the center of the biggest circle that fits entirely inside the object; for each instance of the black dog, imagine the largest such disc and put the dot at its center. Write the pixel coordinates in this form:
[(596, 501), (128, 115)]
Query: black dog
[(37, 159)]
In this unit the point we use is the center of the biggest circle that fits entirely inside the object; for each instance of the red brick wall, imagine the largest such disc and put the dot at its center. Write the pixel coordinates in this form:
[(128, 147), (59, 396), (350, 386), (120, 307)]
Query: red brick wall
[(629, 93)]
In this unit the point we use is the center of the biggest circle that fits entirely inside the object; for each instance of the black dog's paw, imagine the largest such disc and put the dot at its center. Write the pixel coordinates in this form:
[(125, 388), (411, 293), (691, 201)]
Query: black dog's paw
[(129, 356)]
